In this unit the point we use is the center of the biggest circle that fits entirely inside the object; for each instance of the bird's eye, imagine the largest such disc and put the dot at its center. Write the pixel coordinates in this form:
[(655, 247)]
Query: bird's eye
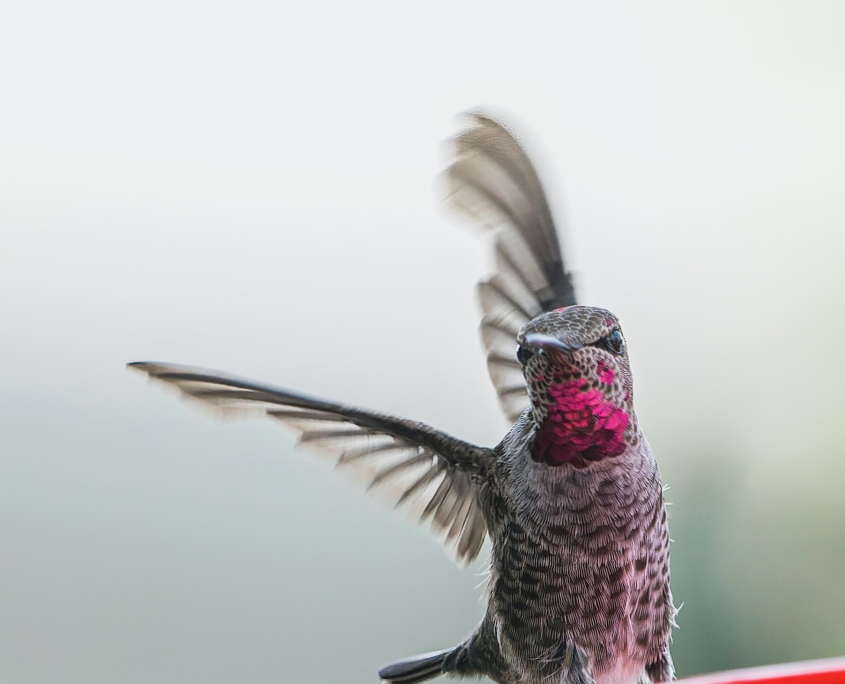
[(615, 342), (523, 354)]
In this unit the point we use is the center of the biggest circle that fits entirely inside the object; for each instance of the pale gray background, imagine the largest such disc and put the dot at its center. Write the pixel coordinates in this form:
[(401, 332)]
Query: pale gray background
[(251, 187)]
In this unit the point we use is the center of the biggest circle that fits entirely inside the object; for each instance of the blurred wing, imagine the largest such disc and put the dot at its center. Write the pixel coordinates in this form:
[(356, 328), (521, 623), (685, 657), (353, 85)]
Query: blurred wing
[(425, 468), (493, 181)]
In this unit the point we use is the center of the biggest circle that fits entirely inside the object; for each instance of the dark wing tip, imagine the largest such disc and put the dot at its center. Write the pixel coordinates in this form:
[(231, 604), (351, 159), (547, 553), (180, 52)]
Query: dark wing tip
[(151, 368)]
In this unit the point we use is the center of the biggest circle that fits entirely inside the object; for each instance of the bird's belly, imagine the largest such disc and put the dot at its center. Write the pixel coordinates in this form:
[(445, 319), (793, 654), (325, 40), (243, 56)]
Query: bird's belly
[(560, 612), (624, 671), (547, 621)]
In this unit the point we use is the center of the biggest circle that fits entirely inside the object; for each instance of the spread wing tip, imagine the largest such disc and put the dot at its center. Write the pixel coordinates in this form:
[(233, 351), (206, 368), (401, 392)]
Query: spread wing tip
[(424, 471)]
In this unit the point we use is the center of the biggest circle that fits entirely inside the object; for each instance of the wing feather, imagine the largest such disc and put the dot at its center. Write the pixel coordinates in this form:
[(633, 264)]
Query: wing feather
[(494, 182), (425, 470)]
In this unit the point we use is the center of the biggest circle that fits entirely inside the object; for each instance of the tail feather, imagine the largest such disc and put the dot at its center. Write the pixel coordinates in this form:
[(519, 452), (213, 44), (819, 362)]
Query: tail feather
[(416, 669)]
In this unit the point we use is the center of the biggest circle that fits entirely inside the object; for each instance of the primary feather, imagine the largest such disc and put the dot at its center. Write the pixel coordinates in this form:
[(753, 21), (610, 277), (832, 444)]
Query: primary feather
[(426, 470), (492, 180)]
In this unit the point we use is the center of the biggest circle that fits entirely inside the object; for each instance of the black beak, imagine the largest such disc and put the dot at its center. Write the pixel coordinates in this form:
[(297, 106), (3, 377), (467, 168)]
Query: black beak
[(548, 343)]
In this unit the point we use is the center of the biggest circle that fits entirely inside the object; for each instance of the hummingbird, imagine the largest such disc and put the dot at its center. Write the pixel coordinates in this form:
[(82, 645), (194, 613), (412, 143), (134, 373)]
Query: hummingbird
[(571, 499)]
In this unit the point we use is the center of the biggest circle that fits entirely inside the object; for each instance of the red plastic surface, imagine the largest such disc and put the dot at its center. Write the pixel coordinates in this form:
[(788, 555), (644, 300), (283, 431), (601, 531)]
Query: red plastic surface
[(831, 671)]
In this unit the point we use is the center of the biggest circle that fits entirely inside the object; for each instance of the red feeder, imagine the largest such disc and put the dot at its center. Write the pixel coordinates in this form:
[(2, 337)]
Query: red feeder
[(829, 671)]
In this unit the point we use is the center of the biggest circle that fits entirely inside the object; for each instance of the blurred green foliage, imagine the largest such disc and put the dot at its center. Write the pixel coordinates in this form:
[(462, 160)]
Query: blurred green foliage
[(759, 571)]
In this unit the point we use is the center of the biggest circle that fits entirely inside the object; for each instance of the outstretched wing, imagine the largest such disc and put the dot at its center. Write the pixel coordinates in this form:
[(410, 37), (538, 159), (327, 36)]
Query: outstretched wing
[(493, 181), (425, 468)]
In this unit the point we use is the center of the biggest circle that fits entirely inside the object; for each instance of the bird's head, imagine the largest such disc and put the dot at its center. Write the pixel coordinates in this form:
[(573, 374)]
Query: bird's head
[(575, 362)]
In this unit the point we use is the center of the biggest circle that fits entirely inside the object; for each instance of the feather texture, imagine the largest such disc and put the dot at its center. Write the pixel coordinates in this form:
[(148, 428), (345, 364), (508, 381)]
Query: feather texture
[(492, 180), (423, 469)]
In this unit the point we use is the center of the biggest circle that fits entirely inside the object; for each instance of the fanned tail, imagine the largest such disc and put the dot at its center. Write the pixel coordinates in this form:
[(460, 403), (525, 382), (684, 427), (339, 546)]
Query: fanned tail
[(416, 669)]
